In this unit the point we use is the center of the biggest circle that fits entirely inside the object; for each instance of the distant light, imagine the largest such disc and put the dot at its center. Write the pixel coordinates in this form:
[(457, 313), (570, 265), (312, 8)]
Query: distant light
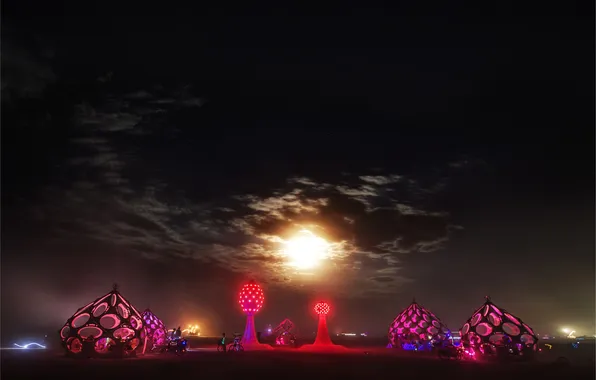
[(32, 345), (192, 330), (570, 332)]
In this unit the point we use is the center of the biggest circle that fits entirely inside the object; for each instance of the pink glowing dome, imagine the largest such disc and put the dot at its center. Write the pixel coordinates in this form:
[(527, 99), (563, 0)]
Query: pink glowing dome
[(109, 320), (322, 308), (492, 326), (251, 297), (417, 323), (155, 329)]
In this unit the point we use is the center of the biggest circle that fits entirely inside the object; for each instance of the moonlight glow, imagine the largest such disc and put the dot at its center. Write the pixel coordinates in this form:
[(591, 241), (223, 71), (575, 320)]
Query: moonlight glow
[(305, 250)]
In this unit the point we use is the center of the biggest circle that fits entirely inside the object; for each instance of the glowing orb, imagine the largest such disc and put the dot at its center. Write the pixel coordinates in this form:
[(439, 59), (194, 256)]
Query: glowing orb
[(251, 297), (322, 308), (305, 250)]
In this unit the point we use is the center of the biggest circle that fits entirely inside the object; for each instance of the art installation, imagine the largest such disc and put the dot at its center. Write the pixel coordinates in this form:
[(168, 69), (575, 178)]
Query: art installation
[(322, 341), (108, 326), (491, 328), (284, 333), (322, 309), (417, 329), (155, 331), (192, 330), (251, 300)]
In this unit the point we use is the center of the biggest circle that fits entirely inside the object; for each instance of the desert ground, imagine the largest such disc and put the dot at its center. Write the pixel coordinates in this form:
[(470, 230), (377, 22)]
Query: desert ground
[(204, 362)]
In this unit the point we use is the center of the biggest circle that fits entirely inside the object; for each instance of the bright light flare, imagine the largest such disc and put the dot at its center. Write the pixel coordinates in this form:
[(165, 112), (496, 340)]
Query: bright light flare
[(306, 250), (570, 332), (32, 345), (192, 330)]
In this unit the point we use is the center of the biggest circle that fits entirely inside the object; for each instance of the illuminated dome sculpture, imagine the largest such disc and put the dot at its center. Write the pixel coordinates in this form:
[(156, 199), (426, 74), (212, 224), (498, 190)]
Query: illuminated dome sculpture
[(416, 328), (251, 300), (492, 327), (155, 330), (108, 326)]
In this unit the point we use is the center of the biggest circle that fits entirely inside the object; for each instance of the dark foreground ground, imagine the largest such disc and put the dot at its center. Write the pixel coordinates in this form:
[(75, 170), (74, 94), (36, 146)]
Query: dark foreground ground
[(281, 363)]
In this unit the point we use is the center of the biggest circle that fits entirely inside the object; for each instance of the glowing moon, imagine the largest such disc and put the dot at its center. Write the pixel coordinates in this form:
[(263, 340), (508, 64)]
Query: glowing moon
[(305, 250)]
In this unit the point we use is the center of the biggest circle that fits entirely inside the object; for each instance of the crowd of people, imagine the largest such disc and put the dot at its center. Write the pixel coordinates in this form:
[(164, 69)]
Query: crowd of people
[(502, 348)]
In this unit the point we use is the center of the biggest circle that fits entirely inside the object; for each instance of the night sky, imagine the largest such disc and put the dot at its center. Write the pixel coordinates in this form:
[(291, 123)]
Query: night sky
[(446, 152)]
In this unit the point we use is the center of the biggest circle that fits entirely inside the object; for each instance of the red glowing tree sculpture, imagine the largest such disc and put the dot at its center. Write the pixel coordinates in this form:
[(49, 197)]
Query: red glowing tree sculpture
[(491, 327), (323, 342), (419, 325), (110, 325), (323, 339), (155, 330), (251, 300)]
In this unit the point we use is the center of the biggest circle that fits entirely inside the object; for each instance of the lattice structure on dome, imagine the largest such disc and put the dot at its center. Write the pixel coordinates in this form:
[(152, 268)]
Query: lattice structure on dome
[(155, 329), (251, 298), (108, 326), (322, 308), (494, 328), (416, 329)]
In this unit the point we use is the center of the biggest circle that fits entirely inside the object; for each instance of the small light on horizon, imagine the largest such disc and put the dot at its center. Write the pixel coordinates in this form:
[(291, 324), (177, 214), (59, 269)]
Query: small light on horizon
[(570, 332)]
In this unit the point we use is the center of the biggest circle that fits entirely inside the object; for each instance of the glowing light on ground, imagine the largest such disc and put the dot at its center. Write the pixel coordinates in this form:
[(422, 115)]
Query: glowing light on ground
[(570, 333), (305, 250), (28, 346)]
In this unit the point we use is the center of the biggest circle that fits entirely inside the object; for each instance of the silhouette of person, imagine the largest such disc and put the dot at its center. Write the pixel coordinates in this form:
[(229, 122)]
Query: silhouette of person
[(222, 342)]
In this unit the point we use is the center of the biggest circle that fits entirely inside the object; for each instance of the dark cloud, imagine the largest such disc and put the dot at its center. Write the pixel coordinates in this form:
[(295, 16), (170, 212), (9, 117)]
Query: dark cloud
[(383, 279), (26, 65), (342, 214), (118, 193)]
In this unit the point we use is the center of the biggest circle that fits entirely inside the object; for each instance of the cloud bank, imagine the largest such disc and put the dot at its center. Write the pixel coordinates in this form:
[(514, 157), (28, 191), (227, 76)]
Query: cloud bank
[(118, 193)]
